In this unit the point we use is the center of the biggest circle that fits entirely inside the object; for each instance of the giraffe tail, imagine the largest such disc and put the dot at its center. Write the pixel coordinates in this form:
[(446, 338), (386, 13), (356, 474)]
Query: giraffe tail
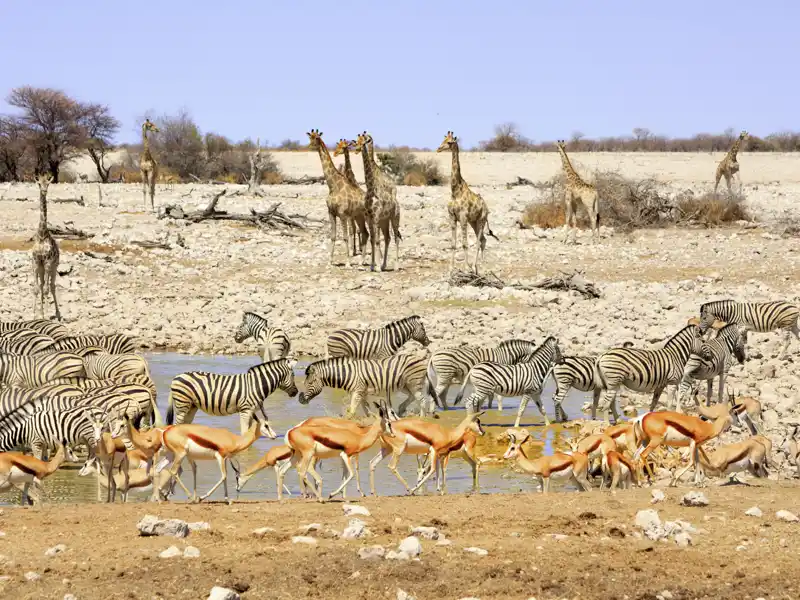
[(490, 232)]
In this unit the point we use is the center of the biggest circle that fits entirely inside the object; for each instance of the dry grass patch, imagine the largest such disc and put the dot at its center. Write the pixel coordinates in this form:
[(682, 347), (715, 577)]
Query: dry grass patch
[(713, 210), (404, 165)]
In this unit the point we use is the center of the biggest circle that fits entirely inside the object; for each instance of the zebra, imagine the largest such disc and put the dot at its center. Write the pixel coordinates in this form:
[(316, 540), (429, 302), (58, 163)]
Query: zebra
[(217, 394), (525, 378), (714, 359), (116, 343), (358, 376), (757, 316), (376, 343), (24, 341), (35, 371), (52, 328), (575, 372), (12, 398), (122, 400), (645, 370), (274, 340), (46, 428), (446, 365), (113, 366), (90, 384)]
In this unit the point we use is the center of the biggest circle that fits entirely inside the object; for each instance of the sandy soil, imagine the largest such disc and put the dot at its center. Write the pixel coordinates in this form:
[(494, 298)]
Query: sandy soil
[(733, 556)]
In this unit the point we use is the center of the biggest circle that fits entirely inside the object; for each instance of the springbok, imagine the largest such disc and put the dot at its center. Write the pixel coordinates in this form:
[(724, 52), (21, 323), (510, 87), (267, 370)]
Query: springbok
[(574, 465), (23, 471)]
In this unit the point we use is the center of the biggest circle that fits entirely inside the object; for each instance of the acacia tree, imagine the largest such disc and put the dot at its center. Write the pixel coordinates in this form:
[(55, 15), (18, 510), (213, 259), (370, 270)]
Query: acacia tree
[(100, 128), (12, 150), (52, 123)]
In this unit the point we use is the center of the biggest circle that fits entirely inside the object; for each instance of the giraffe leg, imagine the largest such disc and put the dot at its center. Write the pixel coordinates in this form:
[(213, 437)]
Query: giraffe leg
[(53, 273), (454, 232), (332, 219), (38, 289), (480, 242), (152, 190), (144, 187), (567, 215), (385, 231), (465, 245), (728, 183)]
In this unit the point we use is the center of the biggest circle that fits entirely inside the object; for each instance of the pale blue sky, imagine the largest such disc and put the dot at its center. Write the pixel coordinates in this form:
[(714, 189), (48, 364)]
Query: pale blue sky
[(408, 71)]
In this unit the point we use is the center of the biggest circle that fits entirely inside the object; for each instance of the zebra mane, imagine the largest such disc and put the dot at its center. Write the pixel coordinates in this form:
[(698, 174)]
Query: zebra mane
[(716, 304), (260, 366), (248, 313), (403, 320), (727, 329), (506, 343), (681, 334)]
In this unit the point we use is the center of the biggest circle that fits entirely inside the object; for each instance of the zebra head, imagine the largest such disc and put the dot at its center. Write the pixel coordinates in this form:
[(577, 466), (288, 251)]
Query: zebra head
[(710, 312), (314, 383), (418, 333), (287, 383), (740, 344), (244, 330)]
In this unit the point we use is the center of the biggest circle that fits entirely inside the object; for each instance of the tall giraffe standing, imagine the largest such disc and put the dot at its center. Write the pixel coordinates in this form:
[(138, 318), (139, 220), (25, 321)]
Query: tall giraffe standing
[(465, 207), (147, 164), (345, 201), (45, 255), (343, 148), (729, 166), (576, 189), (384, 197)]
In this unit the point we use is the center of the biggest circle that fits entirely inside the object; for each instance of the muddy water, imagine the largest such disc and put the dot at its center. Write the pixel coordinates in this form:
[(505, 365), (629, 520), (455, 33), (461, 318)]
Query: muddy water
[(283, 412)]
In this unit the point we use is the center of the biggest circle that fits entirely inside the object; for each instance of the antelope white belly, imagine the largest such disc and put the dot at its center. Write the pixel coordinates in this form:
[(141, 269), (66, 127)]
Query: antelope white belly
[(738, 467), (198, 452), (563, 473), (673, 435), (415, 446), (18, 476), (322, 451)]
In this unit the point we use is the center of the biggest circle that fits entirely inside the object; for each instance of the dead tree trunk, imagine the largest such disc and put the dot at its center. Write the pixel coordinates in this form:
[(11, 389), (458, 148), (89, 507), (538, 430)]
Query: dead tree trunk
[(256, 166)]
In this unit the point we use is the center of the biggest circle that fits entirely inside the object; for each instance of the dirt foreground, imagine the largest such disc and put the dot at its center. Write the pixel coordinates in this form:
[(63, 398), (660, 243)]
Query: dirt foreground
[(565, 545)]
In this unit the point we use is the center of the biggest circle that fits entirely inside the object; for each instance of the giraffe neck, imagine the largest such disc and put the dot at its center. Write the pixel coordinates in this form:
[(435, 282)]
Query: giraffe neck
[(145, 144), (42, 212), (735, 149), (455, 179), (371, 147), (570, 172), (348, 168), (369, 173), (328, 168)]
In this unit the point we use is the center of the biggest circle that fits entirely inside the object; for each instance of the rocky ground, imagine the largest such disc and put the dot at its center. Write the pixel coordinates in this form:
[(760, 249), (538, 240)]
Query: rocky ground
[(742, 545), (190, 296)]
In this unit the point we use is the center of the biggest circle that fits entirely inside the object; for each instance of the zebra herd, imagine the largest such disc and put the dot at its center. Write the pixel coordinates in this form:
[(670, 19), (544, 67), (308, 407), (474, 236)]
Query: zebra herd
[(73, 390)]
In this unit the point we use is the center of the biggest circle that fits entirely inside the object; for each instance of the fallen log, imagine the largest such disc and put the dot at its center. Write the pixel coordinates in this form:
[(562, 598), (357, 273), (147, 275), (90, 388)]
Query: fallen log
[(79, 201), (565, 281), (66, 233)]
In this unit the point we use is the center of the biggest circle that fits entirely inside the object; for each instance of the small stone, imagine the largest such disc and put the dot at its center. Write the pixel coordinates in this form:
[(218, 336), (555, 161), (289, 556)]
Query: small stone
[(356, 529), (392, 555), (199, 526), (683, 539), (221, 593), (411, 546), (32, 576), (754, 512), (351, 510), (311, 527), (262, 531), (559, 537), (152, 525), (170, 552), (666, 595), (355, 575), (741, 548), (785, 515), (477, 551), (657, 496), (304, 539), (191, 552), (58, 549), (4, 579), (516, 534), (443, 542), (783, 543), (694, 499), (371, 552), (70, 597), (650, 523), (403, 595), (426, 533)]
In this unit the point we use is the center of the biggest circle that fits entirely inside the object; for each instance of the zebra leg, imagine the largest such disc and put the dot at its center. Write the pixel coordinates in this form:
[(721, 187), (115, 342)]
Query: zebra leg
[(537, 398), (522, 404), (721, 386), (787, 338), (244, 420), (499, 402), (609, 400), (558, 398)]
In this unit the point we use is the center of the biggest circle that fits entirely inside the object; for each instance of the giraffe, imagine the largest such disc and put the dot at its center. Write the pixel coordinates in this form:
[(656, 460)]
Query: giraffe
[(465, 208), (577, 189), (45, 255), (384, 198), (343, 147), (147, 164), (728, 166), (344, 201)]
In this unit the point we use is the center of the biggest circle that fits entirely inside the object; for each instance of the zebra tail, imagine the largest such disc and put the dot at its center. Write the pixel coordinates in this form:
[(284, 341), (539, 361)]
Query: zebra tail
[(170, 411), (460, 394), (598, 375), (429, 377)]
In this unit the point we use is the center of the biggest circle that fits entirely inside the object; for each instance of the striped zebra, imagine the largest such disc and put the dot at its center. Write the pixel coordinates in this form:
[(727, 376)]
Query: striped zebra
[(714, 360), (24, 341), (47, 428), (451, 363), (645, 370), (35, 371), (756, 316), (122, 400), (91, 384), (575, 372), (273, 340), (52, 328), (217, 394), (26, 410), (12, 398), (376, 343), (114, 366), (404, 372), (524, 378), (116, 343)]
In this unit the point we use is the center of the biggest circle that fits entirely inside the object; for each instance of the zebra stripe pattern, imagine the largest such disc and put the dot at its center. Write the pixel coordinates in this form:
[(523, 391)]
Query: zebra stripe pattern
[(116, 343), (574, 372), (46, 428), (52, 328), (11, 398), (274, 342), (645, 370), (35, 371), (451, 363), (358, 376), (524, 378), (376, 343), (24, 341), (756, 316), (114, 366), (216, 394), (714, 360)]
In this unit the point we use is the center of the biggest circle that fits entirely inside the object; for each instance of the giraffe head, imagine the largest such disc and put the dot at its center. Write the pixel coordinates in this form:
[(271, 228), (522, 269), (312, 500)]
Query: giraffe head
[(343, 145), (361, 142), (44, 180), (744, 135), (315, 139), (449, 141), (148, 125), (561, 145)]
